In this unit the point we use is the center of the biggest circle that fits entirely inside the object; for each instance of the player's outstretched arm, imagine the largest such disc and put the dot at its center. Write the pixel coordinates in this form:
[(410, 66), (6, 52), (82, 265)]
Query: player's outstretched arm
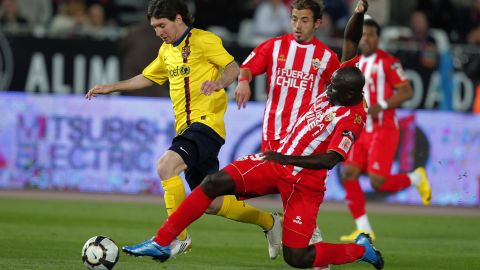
[(135, 83), (230, 73), (243, 91), (353, 31), (315, 162)]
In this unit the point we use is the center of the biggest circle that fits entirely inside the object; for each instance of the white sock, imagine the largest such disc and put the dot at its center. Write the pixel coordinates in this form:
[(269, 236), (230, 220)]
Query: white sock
[(415, 178), (363, 224)]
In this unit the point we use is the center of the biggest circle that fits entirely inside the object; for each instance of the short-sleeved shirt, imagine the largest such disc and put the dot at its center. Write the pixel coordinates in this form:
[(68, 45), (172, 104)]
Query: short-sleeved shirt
[(296, 76), (383, 73), (324, 128), (200, 56)]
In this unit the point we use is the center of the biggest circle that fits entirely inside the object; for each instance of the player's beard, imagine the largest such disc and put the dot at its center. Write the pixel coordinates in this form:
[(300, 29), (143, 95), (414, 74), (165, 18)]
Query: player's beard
[(303, 36)]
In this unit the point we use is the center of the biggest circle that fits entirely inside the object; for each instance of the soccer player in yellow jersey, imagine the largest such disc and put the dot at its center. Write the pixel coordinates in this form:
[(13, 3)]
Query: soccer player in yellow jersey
[(198, 68)]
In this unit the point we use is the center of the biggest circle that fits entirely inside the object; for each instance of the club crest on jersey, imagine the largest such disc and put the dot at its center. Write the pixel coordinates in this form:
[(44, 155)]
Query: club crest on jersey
[(186, 52), (329, 117), (358, 119), (282, 58), (316, 63)]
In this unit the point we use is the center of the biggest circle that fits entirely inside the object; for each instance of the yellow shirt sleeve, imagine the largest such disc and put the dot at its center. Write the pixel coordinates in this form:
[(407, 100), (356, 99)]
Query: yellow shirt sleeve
[(215, 52), (156, 70)]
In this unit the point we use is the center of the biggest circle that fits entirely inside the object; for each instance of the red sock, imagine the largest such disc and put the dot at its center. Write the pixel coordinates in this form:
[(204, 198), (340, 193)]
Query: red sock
[(354, 197), (189, 210), (328, 253), (395, 183)]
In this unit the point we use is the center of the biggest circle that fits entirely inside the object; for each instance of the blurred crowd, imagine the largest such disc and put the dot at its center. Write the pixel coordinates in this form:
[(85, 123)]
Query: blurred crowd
[(435, 30), (107, 19)]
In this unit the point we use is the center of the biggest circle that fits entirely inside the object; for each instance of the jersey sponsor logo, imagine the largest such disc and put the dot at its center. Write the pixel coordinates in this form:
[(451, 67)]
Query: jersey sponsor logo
[(183, 70), (316, 63), (294, 79), (345, 144), (314, 121), (250, 56), (314, 118), (349, 134)]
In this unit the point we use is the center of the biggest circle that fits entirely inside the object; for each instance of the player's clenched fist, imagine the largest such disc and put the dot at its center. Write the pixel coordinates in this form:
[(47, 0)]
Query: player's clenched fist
[(362, 6), (99, 89)]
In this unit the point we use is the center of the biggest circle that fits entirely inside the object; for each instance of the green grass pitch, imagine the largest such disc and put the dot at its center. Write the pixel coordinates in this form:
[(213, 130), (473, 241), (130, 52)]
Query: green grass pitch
[(49, 234)]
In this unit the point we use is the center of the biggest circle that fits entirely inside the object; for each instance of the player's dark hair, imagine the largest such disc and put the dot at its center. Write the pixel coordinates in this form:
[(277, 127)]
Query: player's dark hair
[(373, 23), (169, 9), (316, 6)]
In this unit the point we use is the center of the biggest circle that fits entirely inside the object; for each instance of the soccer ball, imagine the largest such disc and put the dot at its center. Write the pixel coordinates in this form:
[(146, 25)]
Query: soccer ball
[(100, 253)]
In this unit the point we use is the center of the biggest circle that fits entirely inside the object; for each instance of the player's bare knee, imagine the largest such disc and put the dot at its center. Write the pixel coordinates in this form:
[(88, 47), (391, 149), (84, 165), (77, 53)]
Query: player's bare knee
[(218, 184), (211, 185), (299, 257), (163, 169)]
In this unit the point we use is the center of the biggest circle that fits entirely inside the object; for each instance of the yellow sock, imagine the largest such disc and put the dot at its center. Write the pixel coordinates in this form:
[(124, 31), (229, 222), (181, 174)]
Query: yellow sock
[(240, 211), (173, 196)]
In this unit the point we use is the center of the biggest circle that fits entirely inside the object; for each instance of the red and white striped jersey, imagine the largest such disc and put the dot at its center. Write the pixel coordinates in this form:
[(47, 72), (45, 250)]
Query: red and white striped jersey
[(296, 75), (323, 128), (383, 73)]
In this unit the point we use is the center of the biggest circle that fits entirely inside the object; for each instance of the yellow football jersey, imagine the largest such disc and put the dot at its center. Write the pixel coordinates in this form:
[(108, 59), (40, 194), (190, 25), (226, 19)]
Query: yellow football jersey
[(199, 57)]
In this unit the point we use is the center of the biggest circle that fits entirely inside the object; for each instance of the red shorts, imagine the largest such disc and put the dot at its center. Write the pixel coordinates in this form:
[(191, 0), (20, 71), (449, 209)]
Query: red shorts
[(301, 194), (270, 145), (374, 152)]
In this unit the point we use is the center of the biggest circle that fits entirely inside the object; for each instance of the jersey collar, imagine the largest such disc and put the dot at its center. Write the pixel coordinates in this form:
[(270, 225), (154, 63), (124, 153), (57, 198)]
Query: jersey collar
[(176, 43)]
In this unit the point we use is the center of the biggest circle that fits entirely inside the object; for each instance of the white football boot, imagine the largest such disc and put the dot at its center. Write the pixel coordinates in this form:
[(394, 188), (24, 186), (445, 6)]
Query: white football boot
[(274, 236), (179, 247)]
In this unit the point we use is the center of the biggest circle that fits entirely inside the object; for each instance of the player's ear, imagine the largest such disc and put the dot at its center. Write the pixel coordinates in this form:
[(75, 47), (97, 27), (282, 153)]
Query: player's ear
[(178, 18)]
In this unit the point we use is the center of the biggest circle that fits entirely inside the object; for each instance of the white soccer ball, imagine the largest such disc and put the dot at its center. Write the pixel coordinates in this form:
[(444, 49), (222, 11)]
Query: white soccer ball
[(100, 253)]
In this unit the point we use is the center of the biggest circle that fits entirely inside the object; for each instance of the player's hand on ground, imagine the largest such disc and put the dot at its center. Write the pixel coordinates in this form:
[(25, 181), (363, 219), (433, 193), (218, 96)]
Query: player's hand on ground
[(275, 157), (208, 87), (99, 90), (362, 6), (242, 94)]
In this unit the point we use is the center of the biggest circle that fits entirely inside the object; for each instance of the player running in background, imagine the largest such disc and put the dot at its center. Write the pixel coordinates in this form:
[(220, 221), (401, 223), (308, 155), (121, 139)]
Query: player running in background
[(297, 66), (198, 68), (386, 88), (319, 139)]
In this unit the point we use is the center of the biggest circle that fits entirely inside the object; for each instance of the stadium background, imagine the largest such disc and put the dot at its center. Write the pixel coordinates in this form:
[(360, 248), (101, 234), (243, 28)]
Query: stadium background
[(54, 144)]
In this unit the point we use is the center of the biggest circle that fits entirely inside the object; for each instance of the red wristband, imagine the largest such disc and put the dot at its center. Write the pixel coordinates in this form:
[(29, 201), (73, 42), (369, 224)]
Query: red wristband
[(243, 78)]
